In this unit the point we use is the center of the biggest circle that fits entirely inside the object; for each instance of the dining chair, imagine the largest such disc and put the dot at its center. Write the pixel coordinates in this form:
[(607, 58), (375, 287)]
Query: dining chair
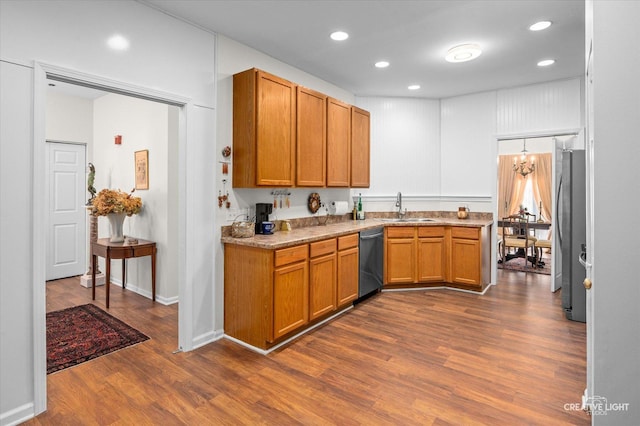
[(516, 234)]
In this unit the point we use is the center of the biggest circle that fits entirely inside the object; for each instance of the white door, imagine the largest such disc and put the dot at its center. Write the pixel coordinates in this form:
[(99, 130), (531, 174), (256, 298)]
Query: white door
[(66, 199)]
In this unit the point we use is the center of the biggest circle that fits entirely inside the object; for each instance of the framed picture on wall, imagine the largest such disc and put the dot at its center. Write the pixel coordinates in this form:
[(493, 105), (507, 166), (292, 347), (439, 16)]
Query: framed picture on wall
[(142, 169)]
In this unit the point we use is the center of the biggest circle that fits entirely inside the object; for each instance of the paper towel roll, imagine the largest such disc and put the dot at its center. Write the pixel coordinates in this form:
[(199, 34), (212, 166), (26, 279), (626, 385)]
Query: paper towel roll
[(338, 208)]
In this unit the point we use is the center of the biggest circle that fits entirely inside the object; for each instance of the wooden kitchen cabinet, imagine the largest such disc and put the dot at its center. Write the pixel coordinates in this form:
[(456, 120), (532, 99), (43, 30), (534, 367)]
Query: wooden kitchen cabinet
[(348, 269), (322, 278), (432, 251), (338, 143), (311, 128), (290, 290), (264, 130), (466, 256), (400, 255), (360, 147)]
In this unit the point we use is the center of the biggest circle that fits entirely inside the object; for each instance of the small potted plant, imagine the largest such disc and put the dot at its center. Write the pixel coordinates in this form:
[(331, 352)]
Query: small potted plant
[(116, 205)]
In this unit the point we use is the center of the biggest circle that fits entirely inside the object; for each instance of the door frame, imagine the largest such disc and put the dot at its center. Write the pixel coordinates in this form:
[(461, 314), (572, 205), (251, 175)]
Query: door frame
[(496, 215), (42, 72)]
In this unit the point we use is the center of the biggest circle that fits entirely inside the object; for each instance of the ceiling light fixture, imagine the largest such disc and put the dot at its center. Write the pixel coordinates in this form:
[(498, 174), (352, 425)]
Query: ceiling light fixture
[(382, 64), (546, 62), (539, 26), (524, 167), (463, 53), (118, 42), (414, 87), (339, 36)]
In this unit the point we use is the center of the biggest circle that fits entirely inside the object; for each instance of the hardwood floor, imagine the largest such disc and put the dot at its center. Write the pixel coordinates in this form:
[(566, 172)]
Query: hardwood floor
[(435, 357)]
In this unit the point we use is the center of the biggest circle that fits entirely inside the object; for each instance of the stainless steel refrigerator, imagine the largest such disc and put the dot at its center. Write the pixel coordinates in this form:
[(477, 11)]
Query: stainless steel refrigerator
[(572, 232)]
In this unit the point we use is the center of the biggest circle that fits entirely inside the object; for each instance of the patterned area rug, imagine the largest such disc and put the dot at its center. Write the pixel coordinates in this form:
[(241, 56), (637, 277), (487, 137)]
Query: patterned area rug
[(82, 333), (517, 264)]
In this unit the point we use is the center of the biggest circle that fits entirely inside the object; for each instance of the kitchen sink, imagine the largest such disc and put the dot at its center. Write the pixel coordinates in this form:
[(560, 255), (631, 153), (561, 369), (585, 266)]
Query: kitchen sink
[(408, 219)]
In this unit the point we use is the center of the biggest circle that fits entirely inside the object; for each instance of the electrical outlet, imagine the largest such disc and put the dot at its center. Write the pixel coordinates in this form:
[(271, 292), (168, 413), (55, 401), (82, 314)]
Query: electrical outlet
[(236, 214), (232, 213)]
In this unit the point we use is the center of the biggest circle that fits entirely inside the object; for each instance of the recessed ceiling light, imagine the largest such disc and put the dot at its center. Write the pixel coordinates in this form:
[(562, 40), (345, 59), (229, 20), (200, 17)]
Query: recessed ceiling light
[(414, 87), (539, 26), (118, 42), (339, 36), (382, 64), (546, 63), (463, 53)]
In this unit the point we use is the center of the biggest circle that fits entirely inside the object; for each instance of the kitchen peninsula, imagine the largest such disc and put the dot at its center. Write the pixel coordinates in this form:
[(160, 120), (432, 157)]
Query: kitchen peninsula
[(277, 286)]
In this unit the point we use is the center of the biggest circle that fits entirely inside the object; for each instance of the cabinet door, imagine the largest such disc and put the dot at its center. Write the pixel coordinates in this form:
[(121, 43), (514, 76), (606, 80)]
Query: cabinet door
[(360, 143), (275, 144), (465, 261), (311, 130), (338, 143), (400, 260), (431, 259), (348, 274), (290, 298), (322, 285)]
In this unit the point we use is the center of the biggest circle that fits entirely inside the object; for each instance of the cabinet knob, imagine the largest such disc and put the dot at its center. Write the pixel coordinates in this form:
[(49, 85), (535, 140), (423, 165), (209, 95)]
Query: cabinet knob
[(587, 283)]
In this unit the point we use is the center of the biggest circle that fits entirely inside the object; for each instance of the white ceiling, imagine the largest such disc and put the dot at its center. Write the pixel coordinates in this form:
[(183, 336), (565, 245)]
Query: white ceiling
[(412, 35)]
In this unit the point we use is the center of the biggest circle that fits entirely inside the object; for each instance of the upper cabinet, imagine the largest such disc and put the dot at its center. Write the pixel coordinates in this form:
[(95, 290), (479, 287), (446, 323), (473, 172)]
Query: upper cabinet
[(338, 143), (360, 143), (311, 129), (288, 135), (264, 130)]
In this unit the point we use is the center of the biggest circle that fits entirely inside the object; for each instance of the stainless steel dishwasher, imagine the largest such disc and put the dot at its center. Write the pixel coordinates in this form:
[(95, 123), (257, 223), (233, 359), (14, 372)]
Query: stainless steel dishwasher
[(371, 261)]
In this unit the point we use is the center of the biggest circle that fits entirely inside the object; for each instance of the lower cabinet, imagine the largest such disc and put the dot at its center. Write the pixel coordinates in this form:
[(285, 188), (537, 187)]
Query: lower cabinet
[(290, 292), (432, 253), (272, 294), (466, 256), (348, 269), (455, 255), (322, 278), (400, 255)]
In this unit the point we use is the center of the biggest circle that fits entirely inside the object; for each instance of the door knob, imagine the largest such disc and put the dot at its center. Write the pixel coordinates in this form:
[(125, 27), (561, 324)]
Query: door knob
[(587, 283)]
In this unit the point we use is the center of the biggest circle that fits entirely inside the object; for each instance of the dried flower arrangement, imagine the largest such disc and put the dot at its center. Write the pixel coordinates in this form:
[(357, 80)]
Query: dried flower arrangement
[(115, 201)]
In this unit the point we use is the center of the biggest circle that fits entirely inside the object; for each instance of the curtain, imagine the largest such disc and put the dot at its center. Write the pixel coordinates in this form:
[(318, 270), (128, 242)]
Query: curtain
[(506, 179), (541, 184)]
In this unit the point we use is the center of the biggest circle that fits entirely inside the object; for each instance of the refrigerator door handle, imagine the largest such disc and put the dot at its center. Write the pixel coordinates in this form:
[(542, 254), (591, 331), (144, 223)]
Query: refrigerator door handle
[(558, 224)]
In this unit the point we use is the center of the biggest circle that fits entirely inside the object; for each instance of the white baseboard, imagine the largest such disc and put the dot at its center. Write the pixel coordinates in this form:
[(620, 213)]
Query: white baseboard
[(205, 339), (17, 415), (146, 293), (389, 290)]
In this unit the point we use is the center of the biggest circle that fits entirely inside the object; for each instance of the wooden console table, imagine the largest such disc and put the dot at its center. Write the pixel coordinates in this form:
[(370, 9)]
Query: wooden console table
[(108, 250)]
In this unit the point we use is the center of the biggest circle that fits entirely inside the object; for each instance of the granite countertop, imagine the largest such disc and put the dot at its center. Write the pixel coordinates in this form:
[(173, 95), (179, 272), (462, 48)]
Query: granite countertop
[(307, 234)]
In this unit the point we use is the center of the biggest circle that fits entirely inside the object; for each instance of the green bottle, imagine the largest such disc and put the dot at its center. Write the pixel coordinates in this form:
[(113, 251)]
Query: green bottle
[(360, 212)]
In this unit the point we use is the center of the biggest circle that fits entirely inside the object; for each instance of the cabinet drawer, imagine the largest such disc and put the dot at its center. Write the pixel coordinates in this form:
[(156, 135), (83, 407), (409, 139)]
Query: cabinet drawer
[(431, 231), (322, 247), (467, 233), (291, 255), (348, 241), (400, 232)]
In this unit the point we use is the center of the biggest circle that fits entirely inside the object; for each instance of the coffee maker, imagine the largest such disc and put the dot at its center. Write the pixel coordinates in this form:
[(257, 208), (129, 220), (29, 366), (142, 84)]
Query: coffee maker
[(263, 210)]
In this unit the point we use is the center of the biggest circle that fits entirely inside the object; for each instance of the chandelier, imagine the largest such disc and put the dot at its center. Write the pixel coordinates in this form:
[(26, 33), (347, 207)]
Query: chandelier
[(524, 167)]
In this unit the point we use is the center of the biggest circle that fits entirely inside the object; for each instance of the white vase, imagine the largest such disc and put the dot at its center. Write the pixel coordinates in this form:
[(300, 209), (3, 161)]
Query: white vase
[(116, 220)]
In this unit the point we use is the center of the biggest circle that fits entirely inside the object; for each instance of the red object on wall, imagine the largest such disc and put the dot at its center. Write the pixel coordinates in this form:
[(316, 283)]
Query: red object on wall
[(118, 139)]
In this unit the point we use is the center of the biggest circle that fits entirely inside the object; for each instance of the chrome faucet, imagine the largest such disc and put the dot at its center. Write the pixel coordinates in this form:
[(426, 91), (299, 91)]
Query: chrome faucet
[(399, 206)]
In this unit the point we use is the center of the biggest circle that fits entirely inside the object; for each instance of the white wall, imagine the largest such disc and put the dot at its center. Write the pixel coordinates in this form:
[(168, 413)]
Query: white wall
[(70, 35), (615, 249), (69, 119), (468, 146), (539, 108), (143, 125), (16, 244), (405, 152)]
